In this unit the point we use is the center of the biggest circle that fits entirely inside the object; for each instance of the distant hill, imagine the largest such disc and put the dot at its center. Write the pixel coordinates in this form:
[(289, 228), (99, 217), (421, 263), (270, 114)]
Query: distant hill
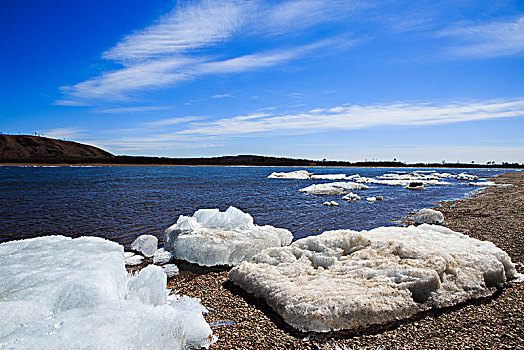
[(20, 148)]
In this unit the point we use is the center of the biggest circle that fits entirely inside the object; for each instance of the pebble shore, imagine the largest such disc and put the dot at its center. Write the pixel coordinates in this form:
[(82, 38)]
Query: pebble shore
[(496, 214)]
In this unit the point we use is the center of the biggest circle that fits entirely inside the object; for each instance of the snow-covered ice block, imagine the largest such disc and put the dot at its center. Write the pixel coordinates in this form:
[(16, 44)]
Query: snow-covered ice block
[(428, 216), (63, 293), (211, 237), (346, 279), (331, 203), (133, 260), (371, 199), (170, 270), (351, 197), (333, 188), (162, 256), (145, 244), (298, 174)]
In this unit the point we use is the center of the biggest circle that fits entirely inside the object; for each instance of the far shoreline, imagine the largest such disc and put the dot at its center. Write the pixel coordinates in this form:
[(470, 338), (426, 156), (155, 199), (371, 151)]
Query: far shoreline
[(410, 166)]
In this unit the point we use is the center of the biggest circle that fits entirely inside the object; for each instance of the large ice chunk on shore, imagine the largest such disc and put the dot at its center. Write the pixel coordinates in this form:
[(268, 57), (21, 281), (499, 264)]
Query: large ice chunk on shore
[(428, 216), (298, 174), (334, 188), (63, 293), (346, 279), (211, 237)]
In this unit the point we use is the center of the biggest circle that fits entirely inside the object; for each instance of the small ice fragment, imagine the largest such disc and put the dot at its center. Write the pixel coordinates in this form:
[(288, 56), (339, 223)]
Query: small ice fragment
[(371, 199), (128, 254), (134, 260), (162, 257), (351, 197), (171, 270), (428, 216), (146, 244)]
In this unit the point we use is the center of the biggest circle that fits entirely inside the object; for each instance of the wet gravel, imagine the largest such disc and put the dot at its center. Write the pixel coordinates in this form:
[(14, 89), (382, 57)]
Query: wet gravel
[(497, 215)]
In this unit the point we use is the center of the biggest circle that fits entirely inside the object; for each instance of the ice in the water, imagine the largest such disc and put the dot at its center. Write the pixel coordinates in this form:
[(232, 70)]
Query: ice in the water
[(162, 257), (145, 244), (351, 197), (345, 279), (211, 237), (63, 293), (128, 254), (467, 177), (329, 177), (333, 188), (170, 270), (298, 174), (331, 203), (371, 199), (487, 184), (428, 216), (133, 260)]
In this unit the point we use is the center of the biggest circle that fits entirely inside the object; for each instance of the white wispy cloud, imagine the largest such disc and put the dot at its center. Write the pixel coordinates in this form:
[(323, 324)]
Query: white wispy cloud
[(176, 47), (70, 133), (136, 109), (187, 27), (487, 40), (172, 121), (348, 117), (222, 96)]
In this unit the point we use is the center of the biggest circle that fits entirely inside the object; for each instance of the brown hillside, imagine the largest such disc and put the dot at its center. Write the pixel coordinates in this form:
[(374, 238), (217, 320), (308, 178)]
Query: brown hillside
[(20, 147)]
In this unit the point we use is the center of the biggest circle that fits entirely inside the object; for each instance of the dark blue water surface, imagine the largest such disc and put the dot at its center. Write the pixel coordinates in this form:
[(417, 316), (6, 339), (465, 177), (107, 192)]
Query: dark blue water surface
[(122, 202)]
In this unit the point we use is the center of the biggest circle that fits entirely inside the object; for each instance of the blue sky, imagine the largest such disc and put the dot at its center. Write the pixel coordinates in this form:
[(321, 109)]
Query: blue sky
[(335, 79)]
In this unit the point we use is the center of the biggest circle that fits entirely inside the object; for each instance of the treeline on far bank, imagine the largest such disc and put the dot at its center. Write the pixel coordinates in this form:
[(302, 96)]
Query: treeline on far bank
[(247, 160)]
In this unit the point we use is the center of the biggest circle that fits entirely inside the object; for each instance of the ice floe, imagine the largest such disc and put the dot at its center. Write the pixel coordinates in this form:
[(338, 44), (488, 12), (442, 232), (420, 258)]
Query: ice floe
[(331, 204), (305, 175), (351, 197), (211, 237), (298, 174), (333, 188), (428, 216), (371, 199), (63, 293), (145, 244), (329, 177), (346, 279), (467, 177), (487, 184)]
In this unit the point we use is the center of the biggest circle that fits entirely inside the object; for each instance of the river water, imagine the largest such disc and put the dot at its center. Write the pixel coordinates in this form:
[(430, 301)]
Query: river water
[(122, 202)]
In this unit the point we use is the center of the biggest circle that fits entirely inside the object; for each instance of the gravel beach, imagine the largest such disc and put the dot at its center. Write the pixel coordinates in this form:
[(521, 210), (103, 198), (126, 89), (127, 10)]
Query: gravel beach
[(496, 214)]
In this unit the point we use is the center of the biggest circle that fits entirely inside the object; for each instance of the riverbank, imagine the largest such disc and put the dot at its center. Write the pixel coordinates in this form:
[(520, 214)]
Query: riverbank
[(496, 215)]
